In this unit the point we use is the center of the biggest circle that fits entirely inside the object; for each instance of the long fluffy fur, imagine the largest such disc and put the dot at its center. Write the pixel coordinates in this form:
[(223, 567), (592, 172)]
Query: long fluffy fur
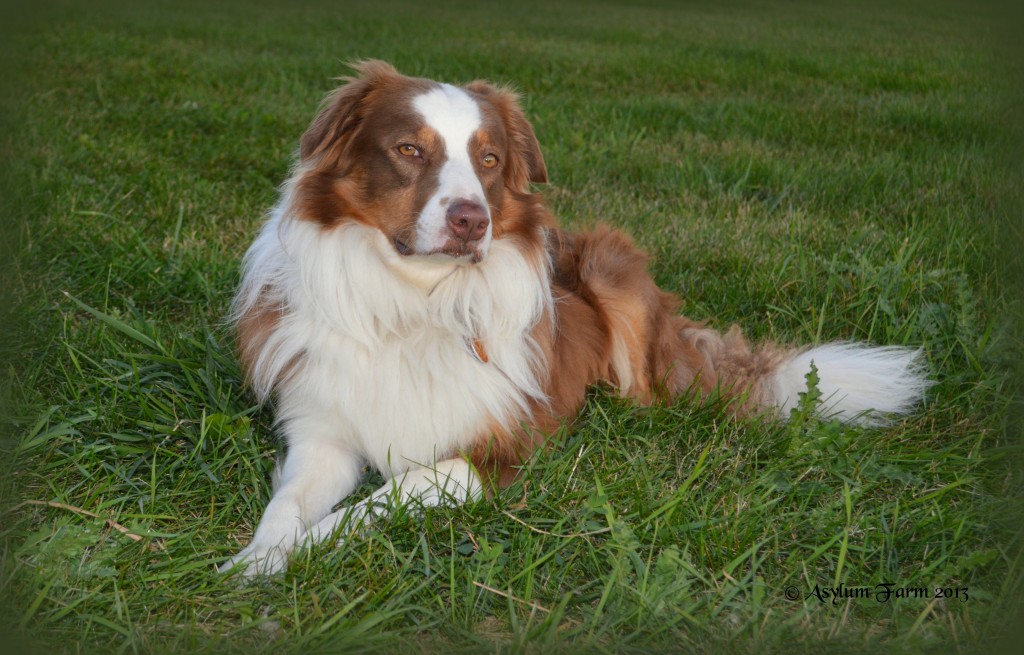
[(858, 383), (447, 373), (383, 344)]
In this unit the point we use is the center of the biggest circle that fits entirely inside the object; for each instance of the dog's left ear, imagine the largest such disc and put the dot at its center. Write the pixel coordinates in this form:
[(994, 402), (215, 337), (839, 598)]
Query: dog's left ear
[(342, 111), (525, 162)]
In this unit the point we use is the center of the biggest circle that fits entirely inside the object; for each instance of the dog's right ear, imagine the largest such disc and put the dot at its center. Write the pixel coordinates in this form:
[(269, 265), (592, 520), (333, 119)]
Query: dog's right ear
[(342, 110)]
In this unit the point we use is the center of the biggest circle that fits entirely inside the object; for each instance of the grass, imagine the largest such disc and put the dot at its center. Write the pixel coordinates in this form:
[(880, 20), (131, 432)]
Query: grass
[(810, 171)]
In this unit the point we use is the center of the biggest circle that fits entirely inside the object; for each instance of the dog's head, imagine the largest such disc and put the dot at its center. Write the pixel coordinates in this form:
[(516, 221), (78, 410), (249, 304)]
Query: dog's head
[(440, 170)]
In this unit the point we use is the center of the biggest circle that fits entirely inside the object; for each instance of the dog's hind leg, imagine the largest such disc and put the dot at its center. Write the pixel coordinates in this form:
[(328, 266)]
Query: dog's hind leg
[(649, 352)]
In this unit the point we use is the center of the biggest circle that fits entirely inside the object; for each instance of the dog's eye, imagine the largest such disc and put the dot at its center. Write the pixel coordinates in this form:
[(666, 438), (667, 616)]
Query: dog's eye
[(408, 150), (490, 161)]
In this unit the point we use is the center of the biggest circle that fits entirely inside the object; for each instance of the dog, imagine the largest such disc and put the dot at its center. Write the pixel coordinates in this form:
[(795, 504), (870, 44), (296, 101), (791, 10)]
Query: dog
[(411, 304)]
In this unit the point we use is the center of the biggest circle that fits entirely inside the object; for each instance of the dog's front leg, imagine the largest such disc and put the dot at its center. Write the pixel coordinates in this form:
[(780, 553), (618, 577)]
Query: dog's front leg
[(450, 482), (315, 475)]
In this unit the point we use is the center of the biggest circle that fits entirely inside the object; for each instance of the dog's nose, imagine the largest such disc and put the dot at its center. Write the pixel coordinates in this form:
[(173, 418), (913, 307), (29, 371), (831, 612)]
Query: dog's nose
[(467, 220)]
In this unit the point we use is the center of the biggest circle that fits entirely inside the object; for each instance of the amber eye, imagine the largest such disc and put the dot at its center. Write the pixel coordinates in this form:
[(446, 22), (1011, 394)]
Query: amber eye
[(408, 150), (490, 161)]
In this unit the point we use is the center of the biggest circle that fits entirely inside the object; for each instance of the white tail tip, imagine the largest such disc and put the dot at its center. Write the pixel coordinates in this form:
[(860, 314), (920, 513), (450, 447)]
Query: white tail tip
[(860, 384)]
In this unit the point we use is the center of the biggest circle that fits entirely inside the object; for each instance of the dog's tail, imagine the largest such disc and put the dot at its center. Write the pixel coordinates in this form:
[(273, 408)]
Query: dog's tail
[(856, 383)]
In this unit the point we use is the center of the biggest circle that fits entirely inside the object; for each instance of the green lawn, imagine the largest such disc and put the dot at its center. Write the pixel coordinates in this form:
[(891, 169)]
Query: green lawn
[(807, 170)]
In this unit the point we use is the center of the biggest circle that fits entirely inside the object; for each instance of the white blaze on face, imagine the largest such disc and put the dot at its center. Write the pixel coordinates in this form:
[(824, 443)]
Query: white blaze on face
[(455, 116)]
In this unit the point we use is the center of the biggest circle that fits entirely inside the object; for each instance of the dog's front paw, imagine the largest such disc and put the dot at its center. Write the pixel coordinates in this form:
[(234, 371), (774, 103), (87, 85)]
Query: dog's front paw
[(255, 560)]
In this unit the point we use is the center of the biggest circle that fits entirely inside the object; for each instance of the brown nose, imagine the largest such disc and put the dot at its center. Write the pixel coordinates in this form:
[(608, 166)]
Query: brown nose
[(467, 220)]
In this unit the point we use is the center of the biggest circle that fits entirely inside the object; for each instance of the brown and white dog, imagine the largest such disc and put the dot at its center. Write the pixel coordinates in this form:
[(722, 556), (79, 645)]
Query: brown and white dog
[(414, 307)]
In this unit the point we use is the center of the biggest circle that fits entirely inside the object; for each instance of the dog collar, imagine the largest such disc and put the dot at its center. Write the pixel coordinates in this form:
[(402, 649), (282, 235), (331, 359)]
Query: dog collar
[(477, 350)]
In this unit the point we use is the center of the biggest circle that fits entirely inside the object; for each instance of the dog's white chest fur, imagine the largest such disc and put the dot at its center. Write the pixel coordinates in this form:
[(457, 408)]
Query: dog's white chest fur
[(402, 402), (385, 348)]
